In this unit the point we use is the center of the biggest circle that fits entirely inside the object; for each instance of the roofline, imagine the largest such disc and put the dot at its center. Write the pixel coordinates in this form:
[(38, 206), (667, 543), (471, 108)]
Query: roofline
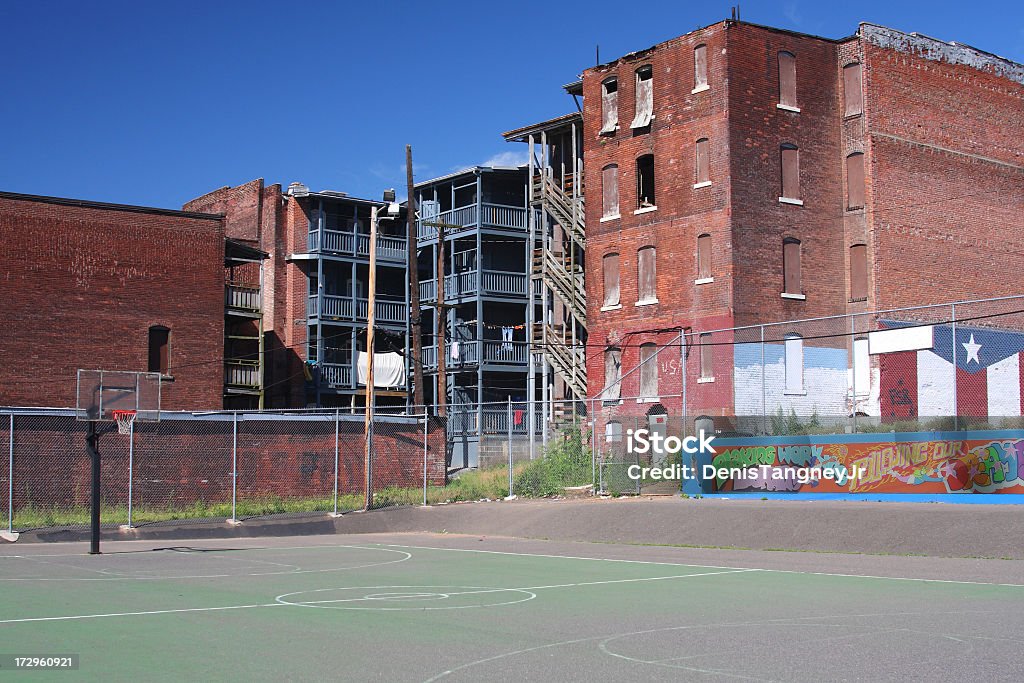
[(518, 134), (337, 197), (474, 170), (725, 23), (88, 204)]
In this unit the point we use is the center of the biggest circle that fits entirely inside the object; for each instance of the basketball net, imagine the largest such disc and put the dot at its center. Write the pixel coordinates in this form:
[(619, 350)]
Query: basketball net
[(124, 419)]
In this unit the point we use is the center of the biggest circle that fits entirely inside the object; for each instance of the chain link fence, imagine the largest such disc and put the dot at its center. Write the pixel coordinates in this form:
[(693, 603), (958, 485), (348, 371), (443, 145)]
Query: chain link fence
[(215, 467)]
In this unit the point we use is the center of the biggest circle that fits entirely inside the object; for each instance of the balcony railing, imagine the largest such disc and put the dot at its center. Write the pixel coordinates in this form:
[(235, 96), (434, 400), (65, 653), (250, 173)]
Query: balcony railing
[(468, 353), (336, 375), (242, 374), (242, 297), (464, 420), (467, 217), (357, 244), (345, 308), (495, 283)]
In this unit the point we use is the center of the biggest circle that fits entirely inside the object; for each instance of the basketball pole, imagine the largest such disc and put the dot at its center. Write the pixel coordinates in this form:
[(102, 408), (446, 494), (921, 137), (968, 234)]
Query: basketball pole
[(92, 447)]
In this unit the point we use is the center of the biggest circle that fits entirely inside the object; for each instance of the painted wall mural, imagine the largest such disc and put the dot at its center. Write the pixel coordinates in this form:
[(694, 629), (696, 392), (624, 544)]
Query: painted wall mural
[(924, 462)]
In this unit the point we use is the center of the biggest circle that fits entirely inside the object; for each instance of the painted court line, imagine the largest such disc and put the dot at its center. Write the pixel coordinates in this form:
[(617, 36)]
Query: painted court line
[(711, 566), (137, 614)]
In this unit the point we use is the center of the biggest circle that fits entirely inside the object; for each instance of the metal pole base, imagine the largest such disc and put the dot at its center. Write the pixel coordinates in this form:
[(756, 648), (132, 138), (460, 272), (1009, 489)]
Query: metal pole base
[(9, 536)]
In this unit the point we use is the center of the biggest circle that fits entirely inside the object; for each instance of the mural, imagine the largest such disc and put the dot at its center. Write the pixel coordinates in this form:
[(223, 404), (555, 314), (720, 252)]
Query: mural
[(934, 462)]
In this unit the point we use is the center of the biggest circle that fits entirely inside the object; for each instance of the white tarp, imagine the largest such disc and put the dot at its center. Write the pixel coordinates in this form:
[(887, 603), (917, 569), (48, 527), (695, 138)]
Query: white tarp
[(388, 369)]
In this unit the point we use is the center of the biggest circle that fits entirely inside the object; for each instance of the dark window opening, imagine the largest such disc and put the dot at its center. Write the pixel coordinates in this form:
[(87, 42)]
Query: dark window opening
[(159, 349), (645, 182)]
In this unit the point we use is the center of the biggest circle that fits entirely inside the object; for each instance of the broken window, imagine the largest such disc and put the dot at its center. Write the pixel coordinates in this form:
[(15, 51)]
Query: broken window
[(790, 172), (612, 373), (858, 272), (703, 171), (700, 67), (610, 190), (791, 266), (852, 90), (645, 182), (646, 265), (648, 370), (644, 97), (787, 79), (610, 266), (613, 432), (855, 181), (707, 367), (159, 349), (704, 257), (609, 105), (794, 363)]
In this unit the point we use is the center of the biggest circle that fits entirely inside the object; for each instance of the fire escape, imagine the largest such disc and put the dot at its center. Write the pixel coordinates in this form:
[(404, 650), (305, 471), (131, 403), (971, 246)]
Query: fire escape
[(559, 245)]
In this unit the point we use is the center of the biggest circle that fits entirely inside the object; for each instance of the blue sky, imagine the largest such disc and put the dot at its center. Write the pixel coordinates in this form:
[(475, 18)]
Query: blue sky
[(155, 103)]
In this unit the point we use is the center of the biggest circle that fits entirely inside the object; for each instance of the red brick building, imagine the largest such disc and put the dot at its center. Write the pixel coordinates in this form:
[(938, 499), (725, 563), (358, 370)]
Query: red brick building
[(107, 286), (742, 174)]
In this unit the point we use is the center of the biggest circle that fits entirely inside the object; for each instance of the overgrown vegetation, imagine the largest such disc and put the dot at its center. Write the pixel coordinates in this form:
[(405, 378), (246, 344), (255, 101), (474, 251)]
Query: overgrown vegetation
[(566, 462)]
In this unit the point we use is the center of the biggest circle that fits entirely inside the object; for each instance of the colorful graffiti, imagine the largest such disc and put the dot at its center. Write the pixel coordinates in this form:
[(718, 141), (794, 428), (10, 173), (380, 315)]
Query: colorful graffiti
[(903, 464)]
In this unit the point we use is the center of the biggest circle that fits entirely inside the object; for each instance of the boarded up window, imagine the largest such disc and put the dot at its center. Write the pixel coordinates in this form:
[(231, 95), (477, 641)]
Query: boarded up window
[(790, 172), (612, 373), (645, 181), (707, 356), (647, 275), (644, 97), (852, 91), (704, 257), (703, 162), (858, 272), (609, 106), (610, 267), (794, 363), (791, 266), (855, 181), (610, 189), (700, 66), (648, 370), (787, 79), (159, 349), (861, 367)]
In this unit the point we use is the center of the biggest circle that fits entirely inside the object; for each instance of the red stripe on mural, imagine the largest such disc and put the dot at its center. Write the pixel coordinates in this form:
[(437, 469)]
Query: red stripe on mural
[(898, 384), (972, 393)]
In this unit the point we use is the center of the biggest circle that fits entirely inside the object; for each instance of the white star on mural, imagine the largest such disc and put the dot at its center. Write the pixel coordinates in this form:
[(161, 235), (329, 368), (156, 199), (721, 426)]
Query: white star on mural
[(972, 350)]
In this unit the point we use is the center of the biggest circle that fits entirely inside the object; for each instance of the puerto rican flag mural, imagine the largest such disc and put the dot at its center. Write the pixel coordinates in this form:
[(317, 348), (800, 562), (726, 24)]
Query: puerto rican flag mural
[(983, 379)]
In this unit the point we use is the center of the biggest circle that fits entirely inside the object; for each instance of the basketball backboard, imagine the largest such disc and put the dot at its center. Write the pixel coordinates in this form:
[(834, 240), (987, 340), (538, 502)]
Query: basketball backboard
[(101, 392)]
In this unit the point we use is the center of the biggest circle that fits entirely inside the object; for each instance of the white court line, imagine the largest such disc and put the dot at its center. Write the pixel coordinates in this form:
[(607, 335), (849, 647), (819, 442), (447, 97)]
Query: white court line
[(710, 566), (137, 614), (126, 577)]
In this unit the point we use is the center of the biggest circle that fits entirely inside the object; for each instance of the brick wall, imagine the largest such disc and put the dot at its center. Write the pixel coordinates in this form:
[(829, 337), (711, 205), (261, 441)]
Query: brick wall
[(946, 178), (80, 285)]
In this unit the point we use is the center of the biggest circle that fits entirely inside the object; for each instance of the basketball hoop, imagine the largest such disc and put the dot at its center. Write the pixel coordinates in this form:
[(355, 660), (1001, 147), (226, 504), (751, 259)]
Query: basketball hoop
[(124, 419)]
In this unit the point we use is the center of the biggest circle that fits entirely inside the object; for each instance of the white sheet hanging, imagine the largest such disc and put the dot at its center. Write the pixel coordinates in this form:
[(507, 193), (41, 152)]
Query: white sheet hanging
[(388, 369)]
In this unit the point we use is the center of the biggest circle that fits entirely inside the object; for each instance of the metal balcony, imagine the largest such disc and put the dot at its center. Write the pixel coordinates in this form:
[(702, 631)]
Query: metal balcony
[(461, 285), (390, 249), (388, 311), (468, 217)]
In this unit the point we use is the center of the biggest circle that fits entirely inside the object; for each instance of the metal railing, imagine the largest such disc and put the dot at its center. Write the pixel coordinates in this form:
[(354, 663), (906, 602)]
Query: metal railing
[(495, 283), (389, 248), (342, 307), (466, 217), (336, 374)]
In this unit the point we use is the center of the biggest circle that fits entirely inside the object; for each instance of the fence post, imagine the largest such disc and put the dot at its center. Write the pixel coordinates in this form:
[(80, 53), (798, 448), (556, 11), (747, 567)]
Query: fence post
[(131, 467), (337, 420), (853, 365), (956, 411), (764, 394), (426, 421), (592, 417), (509, 425), (10, 478), (234, 467)]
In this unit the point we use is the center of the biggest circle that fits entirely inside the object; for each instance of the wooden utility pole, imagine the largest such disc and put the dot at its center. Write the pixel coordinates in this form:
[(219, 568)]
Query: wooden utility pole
[(415, 327), (442, 327), (370, 321)]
